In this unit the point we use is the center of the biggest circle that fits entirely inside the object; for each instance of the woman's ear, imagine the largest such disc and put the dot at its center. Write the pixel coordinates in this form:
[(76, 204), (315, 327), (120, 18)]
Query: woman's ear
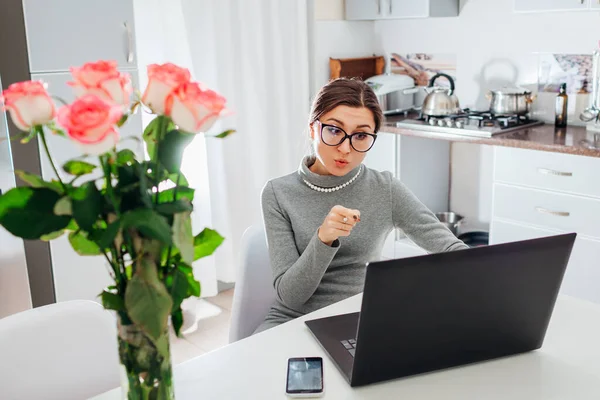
[(311, 131)]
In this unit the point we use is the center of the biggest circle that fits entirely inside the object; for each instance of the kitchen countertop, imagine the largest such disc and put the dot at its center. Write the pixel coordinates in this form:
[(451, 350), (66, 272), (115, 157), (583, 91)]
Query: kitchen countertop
[(570, 140)]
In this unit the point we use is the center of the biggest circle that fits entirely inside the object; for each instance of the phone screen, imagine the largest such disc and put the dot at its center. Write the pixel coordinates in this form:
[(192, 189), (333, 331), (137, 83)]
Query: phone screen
[(305, 375)]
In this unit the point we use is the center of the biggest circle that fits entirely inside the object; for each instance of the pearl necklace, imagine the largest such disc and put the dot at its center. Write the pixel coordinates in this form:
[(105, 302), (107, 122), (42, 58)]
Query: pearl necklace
[(333, 189)]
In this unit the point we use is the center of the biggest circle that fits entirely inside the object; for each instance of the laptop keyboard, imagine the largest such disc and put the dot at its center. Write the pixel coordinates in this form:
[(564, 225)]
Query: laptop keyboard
[(349, 345)]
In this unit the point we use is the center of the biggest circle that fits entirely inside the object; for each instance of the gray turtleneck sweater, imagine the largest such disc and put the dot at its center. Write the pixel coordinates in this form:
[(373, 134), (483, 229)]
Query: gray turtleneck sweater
[(308, 274)]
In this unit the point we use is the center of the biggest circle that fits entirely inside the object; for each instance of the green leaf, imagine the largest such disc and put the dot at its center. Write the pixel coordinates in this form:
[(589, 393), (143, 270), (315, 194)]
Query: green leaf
[(193, 284), (206, 242), (147, 300), (78, 168), (82, 245), (122, 121), (112, 301), (87, 205), (28, 213), (182, 179), (52, 236), (37, 182), (108, 236), (178, 206), (166, 196), (32, 134), (151, 135), (125, 157), (183, 237), (179, 288), (225, 134), (177, 321), (171, 147), (162, 345), (72, 226), (63, 206), (149, 223)]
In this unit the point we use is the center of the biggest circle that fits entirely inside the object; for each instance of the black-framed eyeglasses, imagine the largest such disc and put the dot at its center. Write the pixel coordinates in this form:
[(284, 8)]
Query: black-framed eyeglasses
[(332, 135)]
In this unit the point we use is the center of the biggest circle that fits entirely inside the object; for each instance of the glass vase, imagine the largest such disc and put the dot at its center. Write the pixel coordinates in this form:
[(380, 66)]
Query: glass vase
[(146, 365)]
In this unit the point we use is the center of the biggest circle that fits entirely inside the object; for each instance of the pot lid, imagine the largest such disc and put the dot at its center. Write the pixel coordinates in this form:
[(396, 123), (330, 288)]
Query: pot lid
[(511, 90), (387, 83)]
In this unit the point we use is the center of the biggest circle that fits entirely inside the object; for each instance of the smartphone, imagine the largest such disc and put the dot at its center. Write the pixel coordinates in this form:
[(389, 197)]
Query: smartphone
[(305, 377)]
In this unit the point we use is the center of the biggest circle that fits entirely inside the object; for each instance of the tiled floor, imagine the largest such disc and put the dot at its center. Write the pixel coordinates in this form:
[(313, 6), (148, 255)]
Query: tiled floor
[(212, 331)]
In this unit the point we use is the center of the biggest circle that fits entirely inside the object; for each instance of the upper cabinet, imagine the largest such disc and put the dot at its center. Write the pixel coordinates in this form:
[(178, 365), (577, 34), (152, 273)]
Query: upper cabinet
[(392, 9), (363, 9), (65, 33), (554, 5), (595, 4)]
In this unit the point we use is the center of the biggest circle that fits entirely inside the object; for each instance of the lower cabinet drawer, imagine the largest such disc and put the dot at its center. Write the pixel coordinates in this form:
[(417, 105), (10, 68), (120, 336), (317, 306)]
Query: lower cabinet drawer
[(582, 277), (547, 209)]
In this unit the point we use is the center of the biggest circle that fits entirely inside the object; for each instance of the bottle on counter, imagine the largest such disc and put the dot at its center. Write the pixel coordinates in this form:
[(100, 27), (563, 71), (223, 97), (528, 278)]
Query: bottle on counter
[(562, 99)]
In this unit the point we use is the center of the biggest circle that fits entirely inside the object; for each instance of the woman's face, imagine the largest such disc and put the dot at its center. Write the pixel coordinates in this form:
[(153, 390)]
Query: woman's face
[(340, 159)]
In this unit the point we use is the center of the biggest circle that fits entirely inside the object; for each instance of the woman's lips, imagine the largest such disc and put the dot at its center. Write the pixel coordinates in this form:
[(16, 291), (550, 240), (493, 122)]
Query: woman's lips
[(341, 163)]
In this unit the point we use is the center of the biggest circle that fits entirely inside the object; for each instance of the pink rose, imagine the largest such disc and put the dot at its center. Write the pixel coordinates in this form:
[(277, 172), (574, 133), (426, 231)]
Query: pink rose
[(90, 122), (162, 80), (102, 79), (194, 108), (29, 104)]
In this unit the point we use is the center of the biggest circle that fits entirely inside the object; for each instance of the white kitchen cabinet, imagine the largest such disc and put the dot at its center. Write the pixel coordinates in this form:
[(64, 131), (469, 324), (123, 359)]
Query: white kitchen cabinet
[(396, 9), (65, 33), (566, 173), (595, 4), (539, 194), (408, 8), (363, 9), (551, 5), (549, 209), (77, 277), (582, 277)]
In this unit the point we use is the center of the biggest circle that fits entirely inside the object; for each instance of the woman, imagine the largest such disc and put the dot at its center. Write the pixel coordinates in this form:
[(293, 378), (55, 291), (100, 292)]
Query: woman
[(328, 219)]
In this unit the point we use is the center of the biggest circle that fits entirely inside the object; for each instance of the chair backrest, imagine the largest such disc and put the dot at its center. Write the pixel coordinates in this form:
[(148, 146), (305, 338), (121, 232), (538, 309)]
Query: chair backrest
[(254, 293), (66, 350)]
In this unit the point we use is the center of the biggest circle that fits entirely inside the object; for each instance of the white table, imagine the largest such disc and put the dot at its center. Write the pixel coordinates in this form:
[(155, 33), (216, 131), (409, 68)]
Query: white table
[(567, 367)]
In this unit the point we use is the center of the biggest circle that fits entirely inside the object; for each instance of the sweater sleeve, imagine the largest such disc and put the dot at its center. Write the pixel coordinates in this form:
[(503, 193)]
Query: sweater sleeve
[(419, 223), (295, 276)]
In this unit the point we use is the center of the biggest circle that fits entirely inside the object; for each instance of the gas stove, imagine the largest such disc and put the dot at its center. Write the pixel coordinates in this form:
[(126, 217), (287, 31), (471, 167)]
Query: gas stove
[(470, 123)]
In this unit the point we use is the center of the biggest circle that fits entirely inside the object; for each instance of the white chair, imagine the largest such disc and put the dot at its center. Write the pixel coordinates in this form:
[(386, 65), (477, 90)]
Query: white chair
[(63, 351), (254, 293)]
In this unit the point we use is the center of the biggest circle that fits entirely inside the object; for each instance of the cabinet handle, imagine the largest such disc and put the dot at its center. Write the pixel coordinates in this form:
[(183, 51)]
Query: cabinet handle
[(378, 6), (392, 2), (547, 171), (557, 213), (129, 42)]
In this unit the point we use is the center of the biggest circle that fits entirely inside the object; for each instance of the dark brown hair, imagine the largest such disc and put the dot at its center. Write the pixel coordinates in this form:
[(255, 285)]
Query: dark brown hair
[(349, 92)]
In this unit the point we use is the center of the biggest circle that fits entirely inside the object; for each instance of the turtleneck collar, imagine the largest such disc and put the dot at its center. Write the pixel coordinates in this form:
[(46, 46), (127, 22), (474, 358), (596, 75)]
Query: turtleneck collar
[(325, 181)]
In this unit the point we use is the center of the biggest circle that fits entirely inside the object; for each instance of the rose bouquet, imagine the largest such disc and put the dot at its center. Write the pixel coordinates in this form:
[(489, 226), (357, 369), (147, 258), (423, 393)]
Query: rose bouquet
[(133, 210)]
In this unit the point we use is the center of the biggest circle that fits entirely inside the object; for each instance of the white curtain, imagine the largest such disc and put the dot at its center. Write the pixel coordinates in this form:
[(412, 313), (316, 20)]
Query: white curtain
[(255, 53)]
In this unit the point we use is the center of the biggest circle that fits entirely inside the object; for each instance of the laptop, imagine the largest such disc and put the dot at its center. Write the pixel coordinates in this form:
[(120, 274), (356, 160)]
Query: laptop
[(443, 310)]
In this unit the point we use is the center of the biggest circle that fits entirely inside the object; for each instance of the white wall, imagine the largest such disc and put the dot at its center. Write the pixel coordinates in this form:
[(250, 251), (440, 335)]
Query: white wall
[(493, 46), (339, 39)]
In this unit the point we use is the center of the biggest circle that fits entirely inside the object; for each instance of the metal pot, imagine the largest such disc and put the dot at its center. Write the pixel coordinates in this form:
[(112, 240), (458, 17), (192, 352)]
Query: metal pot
[(510, 101), (451, 220), (440, 101)]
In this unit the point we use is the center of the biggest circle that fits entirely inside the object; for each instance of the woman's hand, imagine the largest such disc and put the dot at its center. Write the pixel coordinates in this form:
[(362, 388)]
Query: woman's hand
[(339, 222)]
